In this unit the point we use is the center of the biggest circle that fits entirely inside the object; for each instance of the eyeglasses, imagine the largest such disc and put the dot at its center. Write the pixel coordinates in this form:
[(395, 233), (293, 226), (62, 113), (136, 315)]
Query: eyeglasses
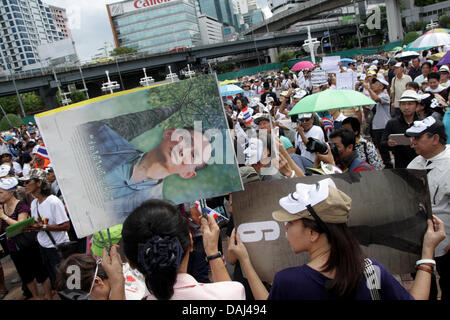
[(95, 276)]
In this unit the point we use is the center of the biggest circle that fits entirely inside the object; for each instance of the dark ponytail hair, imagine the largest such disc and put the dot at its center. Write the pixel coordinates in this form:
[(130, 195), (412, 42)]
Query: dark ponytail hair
[(346, 258), (155, 219)]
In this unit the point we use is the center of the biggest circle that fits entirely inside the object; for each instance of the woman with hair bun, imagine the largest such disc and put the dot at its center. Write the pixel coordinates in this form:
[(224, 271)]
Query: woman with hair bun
[(157, 241)]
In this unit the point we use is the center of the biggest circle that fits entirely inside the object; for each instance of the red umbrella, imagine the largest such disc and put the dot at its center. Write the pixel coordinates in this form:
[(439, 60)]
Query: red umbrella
[(302, 65)]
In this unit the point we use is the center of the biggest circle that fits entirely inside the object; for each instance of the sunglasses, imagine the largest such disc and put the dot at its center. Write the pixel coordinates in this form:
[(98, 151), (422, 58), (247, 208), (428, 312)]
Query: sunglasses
[(99, 261)]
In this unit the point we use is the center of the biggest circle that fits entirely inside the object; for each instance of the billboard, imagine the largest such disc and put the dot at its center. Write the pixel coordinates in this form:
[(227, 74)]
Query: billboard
[(57, 52), (130, 6)]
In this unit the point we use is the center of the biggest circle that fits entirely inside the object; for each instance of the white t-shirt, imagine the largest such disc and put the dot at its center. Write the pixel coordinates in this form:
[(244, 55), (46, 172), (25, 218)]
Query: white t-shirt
[(314, 132), (17, 168), (53, 213), (26, 169)]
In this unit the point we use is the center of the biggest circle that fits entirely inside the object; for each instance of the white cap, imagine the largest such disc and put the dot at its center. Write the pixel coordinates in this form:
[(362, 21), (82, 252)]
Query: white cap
[(300, 94), (373, 67), (398, 64), (375, 62), (410, 95), (4, 170), (444, 68), (305, 115), (8, 183), (382, 80)]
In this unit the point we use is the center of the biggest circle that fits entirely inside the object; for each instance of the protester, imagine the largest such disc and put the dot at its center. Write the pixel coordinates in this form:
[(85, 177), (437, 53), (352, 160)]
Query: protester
[(347, 158), (381, 116), (365, 149), (398, 86), (426, 69), (99, 280), (24, 254), (316, 217), (415, 70), (403, 153), (429, 141), (444, 72), (157, 242), (52, 221), (306, 130)]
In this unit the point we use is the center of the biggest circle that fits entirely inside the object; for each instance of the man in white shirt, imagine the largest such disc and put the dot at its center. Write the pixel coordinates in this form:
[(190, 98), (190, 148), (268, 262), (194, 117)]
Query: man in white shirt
[(429, 142), (305, 130), (398, 86), (426, 69), (444, 71)]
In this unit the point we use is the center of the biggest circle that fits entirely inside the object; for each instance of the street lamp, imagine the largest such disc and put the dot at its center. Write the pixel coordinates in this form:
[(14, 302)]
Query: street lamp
[(146, 81), (189, 72), (110, 85), (171, 76), (82, 78), (311, 45), (15, 86), (120, 76)]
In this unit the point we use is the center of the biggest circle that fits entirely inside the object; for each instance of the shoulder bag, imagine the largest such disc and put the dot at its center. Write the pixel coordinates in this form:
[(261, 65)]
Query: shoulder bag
[(24, 240)]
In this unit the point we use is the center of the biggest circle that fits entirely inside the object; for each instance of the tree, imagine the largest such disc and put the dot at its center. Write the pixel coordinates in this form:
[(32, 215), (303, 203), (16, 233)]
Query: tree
[(444, 22), (30, 100), (77, 96), (5, 124), (285, 56), (410, 37), (120, 51)]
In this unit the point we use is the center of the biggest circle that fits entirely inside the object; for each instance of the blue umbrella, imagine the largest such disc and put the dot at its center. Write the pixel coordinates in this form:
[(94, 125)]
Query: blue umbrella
[(230, 90), (346, 61)]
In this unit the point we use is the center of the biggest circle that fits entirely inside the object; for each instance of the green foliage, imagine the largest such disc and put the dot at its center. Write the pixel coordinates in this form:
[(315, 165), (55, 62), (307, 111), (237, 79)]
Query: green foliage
[(444, 22), (285, 56), (224, 68), (416, 26), (410, 37), (77, 96), (122, 51), (30, 100), (15, 120), (199, 99)]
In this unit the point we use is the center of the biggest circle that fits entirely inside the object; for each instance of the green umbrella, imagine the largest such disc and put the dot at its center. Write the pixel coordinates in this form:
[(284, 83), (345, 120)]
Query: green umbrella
[(331, 99)]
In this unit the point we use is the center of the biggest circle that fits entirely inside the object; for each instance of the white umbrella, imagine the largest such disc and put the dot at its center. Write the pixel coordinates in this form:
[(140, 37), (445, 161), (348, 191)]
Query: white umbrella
[(406, 54), (434, 39)]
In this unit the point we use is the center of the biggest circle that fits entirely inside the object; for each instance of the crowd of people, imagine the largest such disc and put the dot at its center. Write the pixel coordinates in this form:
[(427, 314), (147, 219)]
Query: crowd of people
[(178, 251)]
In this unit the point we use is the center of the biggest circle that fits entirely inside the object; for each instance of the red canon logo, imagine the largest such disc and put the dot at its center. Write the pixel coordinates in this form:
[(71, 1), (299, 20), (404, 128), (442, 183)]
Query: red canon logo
[(139, 4)]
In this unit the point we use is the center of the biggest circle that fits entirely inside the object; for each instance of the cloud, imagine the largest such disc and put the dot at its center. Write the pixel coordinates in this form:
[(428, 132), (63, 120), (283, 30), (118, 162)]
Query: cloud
[(89, 24)]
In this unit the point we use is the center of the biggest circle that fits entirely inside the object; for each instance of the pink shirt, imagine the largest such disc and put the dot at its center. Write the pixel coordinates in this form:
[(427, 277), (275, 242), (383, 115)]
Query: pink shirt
[(187, 288)]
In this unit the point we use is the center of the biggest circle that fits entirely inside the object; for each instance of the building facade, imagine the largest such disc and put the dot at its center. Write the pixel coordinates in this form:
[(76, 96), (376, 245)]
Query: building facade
[(224, 11), (411, 13), (211, 30), (154, 25), (24, 25), (60, 18)]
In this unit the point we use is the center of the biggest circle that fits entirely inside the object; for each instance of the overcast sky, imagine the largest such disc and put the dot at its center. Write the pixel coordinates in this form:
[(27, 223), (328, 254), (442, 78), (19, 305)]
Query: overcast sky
[(89, 23)]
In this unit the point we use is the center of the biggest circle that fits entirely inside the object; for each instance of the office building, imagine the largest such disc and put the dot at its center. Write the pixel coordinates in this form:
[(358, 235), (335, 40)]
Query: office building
[(60, 18), (154, 25), (25, 25), (211, 30)]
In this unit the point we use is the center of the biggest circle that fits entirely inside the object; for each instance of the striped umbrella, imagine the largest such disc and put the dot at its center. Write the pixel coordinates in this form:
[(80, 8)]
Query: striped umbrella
[(433, 39)]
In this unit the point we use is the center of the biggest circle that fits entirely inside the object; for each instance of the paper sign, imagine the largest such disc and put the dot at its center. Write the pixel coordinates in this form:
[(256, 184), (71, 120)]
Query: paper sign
[(319, 77), (344, 81), (330, 64), (388, 217)]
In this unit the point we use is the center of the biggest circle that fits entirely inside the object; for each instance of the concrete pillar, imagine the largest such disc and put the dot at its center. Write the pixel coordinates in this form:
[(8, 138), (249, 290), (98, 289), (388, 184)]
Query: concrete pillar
[(49, 96), (394, 20), (273, 53)]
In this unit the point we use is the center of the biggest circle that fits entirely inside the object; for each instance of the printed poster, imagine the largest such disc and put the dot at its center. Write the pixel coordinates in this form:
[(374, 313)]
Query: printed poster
[(345, 81), (112, 153), (388, 217), (330, 64)]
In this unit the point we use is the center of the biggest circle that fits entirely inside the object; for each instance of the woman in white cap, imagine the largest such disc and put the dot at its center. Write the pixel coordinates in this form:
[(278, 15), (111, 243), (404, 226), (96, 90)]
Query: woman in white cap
[(26, 258), (316, 217)]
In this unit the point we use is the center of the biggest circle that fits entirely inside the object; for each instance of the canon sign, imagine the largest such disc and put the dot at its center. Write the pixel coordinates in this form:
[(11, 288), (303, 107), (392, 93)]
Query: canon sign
[(139, 4)]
